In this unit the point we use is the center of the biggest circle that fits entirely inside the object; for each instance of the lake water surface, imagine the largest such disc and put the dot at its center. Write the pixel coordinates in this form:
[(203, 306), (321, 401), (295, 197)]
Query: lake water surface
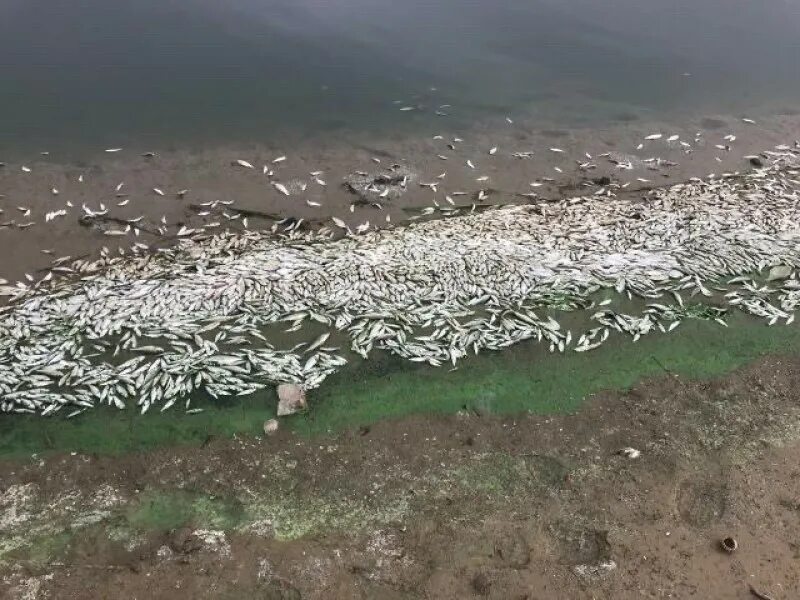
[(175, 73)]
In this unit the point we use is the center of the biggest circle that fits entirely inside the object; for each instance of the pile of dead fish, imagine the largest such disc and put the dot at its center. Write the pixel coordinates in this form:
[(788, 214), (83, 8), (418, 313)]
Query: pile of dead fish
[(210, 316)]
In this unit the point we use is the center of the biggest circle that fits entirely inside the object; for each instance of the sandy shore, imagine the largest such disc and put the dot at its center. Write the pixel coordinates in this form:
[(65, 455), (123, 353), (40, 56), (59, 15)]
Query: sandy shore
[(28, 243)]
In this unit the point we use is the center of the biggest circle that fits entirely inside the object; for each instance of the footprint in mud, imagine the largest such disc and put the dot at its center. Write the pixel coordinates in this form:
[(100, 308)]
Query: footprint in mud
[(701, 503), (581, 546)]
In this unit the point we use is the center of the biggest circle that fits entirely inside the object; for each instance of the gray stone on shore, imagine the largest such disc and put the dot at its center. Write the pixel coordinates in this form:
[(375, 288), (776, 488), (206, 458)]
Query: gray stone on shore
[(271, 427), (779, 272), (291, 399)]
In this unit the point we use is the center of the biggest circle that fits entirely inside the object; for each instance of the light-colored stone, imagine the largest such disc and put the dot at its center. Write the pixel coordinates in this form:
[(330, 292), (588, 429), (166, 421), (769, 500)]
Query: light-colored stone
[(779, 272), (291, 399), (271, 427)]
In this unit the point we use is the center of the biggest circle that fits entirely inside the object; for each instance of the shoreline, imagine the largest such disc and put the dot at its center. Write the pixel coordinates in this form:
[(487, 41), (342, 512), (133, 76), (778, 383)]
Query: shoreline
[(209, 176), (153, 329)]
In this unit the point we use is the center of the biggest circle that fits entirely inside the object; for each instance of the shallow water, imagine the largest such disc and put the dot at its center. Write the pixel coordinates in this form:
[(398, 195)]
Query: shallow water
[(186, 73)]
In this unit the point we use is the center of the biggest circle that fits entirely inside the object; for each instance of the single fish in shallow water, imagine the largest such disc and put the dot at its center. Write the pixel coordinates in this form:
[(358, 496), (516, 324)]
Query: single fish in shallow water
[(318, 342), (243, 163)]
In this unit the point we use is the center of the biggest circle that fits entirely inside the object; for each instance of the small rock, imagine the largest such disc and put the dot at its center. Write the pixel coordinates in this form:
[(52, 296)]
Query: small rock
[(779, 272), (595, 571), (756, 162), (184, 541), (291, 399), (630, 452), (271, 427)]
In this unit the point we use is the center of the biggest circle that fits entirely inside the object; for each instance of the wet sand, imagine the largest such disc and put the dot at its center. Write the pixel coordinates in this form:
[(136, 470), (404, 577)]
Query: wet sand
[(212, 175)]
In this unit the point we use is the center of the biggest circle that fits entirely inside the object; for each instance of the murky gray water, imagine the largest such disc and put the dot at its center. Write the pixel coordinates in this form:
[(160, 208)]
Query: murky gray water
[(180, 72)]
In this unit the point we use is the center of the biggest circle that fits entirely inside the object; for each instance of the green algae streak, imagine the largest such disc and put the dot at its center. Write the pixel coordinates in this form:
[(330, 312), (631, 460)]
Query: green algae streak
[(523, 378)]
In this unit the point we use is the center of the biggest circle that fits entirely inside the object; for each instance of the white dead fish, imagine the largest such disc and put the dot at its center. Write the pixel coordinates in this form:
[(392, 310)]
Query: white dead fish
[(654, 136), (339, 223), (493, 151), (26, 169), (318, 342), (673, 138), (113, 150), (280, 159), (158, 191), (557, 150), (281, 188), (751, 121), (244, 163), (312, 203), (470, 165)]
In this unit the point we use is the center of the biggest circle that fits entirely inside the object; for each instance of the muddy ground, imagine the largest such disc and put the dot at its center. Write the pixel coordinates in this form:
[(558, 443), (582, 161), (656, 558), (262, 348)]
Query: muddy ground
[(29, 243), (436, 507)]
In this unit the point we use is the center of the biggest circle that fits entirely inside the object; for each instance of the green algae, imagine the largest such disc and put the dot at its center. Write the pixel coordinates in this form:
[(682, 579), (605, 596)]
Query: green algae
[(525, 377)]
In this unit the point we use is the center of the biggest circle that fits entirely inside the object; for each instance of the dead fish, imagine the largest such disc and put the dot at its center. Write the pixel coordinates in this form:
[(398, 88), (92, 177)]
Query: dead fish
[(339, 223), (281, 188), (280, 159), (751, 121), (406, 108), (182, 193), (243, 163), (557, 150), (318, 342), (673, 138), (654, 136), (493, 150), (26, 169), (470, 165), (158, 191), (312, 203), (113, 149)]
